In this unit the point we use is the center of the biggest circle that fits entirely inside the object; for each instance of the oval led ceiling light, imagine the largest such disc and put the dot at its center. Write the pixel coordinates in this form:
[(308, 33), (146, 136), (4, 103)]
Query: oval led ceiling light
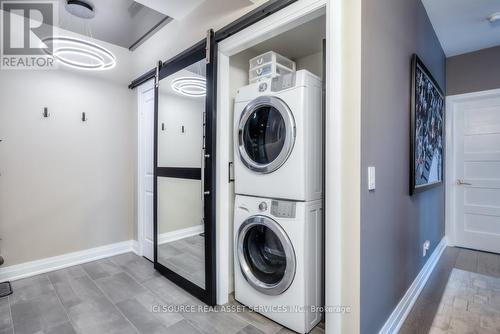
[(80, 54), (190, 86)]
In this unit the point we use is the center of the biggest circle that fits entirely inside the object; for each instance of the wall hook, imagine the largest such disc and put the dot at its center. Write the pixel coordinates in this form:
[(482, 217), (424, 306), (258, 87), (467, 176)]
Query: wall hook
[(84, 117), (46, 112)]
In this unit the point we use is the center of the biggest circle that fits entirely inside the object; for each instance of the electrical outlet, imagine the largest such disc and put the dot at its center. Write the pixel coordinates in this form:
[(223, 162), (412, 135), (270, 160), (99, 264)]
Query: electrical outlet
[(425, 247)]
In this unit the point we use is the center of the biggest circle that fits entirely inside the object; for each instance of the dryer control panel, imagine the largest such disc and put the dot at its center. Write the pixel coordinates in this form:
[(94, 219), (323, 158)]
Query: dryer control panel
[(283, 209)]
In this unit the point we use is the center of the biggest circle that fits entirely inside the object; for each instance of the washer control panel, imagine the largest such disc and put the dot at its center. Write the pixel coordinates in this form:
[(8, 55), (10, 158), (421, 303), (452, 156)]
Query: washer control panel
[(283, 209)]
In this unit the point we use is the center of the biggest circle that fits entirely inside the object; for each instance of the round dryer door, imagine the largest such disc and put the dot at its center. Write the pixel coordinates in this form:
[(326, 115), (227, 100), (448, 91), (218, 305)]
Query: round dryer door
[(266, 134), (265, 255)]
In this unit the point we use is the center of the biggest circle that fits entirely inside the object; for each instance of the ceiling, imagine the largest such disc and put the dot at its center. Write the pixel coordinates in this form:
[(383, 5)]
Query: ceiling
[(127, 23), (177, 9), (119, 22), (462, 25), (286, 43)]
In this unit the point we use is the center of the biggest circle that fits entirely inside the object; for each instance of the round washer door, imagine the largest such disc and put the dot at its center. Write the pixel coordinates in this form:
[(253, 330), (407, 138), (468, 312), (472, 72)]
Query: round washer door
[(265, 255), (266, 134)]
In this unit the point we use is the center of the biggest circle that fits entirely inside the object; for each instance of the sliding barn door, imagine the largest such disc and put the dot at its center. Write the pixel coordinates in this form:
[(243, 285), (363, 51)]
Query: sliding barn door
[(185, 170)]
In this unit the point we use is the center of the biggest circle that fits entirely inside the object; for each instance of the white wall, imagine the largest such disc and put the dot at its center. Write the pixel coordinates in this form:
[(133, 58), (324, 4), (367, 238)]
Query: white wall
[(66, 185), (313, 63), (343, 161)]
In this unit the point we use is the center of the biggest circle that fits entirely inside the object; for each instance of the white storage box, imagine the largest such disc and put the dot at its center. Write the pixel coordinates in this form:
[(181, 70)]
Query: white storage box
[(268, 71), (271, 57), (269, 65)]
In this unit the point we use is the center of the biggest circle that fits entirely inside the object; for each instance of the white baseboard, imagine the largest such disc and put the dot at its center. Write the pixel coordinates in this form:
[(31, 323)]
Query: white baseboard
[(37, 267), (180, 234), (398, 316), (135, 247)]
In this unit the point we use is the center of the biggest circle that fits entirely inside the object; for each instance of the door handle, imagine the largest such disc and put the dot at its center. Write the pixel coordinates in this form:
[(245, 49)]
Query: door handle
[(206, 192), (461, 182)]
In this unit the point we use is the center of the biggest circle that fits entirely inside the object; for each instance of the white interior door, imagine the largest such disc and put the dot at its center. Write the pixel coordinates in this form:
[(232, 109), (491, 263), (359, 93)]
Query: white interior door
[(146, 162), (476, 147)]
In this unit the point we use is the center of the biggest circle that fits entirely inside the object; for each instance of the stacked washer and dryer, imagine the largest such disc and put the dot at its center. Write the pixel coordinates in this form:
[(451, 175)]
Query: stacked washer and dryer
[(278, 231)]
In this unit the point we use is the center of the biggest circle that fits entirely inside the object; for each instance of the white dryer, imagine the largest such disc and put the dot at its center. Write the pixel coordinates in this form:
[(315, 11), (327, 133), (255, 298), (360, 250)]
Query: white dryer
[(278, 138), (279, 259)]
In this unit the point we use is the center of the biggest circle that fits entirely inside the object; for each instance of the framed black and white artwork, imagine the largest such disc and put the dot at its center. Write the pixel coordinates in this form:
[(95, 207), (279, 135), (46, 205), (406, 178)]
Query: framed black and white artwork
[(427, 129)]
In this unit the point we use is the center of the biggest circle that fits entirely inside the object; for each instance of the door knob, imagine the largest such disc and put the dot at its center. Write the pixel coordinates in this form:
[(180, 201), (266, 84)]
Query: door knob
[(461, 182)]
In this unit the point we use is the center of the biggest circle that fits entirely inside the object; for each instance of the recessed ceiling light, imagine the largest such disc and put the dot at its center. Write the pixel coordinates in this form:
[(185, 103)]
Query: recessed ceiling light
[(190, 86), (494, 17), (80, 8)]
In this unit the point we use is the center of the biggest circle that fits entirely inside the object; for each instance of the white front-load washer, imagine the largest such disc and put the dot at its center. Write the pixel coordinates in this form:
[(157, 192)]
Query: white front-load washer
[(278, 260), (278, 138)]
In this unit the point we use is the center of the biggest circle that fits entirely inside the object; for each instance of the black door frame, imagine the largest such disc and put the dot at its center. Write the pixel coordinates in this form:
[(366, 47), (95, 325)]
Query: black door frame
[(188, 57)]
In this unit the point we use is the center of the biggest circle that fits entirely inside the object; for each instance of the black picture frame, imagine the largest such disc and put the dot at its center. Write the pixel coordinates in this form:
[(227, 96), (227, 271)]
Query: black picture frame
[(427, 129)]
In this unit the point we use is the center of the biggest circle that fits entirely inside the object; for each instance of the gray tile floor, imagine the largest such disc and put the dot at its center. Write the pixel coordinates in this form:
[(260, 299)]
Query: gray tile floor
[(420, 318), (470, 304), (186, 257), (116, 295)]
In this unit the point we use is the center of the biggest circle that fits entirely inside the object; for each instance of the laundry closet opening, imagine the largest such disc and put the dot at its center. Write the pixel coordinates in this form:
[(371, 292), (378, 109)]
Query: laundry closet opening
[(272, 110)]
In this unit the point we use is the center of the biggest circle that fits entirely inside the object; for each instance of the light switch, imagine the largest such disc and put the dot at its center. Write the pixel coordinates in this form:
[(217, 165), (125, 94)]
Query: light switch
[(371, 178)]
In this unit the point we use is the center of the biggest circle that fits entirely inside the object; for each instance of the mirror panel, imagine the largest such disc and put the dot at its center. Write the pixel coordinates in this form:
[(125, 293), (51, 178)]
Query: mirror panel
[(180, 228), (180, 200)]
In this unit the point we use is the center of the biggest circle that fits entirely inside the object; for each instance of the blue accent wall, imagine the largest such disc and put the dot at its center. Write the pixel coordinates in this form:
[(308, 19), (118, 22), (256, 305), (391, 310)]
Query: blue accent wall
[(394, 225)]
